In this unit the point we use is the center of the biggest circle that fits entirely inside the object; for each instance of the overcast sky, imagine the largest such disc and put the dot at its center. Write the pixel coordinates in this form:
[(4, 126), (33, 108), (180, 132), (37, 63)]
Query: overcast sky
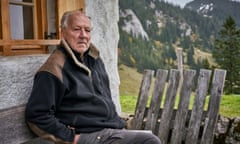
[(183, 2), (179, 2)]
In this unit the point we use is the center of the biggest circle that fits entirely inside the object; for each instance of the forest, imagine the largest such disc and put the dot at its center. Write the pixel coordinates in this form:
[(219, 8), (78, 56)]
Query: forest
[(168, 27)]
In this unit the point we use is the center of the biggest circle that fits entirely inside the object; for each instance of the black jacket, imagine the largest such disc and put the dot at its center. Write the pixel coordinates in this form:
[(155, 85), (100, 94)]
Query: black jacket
[(71, 96)]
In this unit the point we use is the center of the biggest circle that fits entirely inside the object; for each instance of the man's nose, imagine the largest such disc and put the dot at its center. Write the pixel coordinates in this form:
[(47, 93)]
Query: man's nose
[(83, 32)]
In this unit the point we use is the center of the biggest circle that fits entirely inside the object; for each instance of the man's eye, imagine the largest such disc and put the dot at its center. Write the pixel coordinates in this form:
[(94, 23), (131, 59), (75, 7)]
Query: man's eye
[(88, 29)]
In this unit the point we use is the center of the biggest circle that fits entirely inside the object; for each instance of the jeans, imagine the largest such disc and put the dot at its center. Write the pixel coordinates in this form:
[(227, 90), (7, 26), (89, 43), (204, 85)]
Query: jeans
[(118, 136)]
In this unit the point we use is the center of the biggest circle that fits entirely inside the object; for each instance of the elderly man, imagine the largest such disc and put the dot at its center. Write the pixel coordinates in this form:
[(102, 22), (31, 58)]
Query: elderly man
[(71, 100)]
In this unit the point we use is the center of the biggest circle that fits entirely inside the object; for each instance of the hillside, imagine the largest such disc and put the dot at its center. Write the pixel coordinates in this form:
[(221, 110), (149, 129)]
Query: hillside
[(130, 81), (151, 31)]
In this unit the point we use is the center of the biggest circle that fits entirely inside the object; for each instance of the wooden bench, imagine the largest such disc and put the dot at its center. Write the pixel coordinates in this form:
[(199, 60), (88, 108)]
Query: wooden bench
[(14, 129), (180, 125)]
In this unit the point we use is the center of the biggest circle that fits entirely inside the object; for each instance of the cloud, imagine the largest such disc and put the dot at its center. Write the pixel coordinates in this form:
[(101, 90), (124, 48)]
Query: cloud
[(181, 3)]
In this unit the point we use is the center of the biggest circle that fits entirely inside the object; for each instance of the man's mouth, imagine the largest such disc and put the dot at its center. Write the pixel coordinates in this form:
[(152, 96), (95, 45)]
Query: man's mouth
[(82, 43)]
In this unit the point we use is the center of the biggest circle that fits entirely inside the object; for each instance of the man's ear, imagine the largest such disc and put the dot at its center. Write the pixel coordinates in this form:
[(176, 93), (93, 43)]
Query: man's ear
[(62, 34)]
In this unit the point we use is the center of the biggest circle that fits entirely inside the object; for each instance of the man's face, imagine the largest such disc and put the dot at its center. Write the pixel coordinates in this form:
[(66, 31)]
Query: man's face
[(78, 32)]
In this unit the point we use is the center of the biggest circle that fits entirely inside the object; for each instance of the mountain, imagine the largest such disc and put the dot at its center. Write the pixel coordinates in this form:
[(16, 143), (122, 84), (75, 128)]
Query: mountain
[(151, 31), (217, 9), (133, 26)]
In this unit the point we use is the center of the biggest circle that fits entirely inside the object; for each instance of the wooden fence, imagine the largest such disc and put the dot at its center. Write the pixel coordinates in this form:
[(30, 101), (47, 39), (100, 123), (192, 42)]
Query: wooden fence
[(180, 125)]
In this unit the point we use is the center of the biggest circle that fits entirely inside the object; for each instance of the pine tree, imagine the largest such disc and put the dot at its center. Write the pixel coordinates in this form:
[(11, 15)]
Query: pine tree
[(227, 54)]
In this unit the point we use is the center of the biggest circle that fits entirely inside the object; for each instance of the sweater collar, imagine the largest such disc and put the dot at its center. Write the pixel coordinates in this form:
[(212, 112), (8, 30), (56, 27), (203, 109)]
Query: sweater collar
[(92, 51)]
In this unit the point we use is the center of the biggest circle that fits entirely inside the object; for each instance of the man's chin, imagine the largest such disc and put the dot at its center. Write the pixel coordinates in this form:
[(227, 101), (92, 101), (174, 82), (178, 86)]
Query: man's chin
[(82, 49)]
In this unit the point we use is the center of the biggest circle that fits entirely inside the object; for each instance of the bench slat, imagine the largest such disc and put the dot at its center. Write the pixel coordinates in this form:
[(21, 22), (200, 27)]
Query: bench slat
[(181, 125), (214, 104), (142, 99), (156, 100), (13, 126), (169, 105), (182, 113), (198, 107)]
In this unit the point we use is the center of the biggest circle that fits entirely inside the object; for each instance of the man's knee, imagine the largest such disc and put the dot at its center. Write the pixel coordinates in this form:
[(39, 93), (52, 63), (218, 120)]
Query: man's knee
[(153, 139), (150, 138)]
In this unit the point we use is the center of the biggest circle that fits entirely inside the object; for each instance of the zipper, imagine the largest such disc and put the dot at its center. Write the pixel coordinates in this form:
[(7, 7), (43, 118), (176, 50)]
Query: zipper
[(102, 99)]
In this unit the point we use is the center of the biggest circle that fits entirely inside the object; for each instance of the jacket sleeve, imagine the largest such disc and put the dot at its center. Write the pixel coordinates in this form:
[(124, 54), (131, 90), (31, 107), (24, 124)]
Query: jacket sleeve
[(46, 93)]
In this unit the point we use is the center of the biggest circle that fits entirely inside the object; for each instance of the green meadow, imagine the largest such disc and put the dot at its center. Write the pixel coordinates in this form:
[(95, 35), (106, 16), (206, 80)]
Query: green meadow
[(130, 84)]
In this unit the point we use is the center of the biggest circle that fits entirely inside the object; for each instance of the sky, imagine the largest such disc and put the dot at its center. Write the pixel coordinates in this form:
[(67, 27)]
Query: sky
[(179, 2), (183, 2)]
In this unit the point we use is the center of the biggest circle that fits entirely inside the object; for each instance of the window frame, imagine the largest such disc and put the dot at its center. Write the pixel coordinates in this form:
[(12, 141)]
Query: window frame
[(37, 45)]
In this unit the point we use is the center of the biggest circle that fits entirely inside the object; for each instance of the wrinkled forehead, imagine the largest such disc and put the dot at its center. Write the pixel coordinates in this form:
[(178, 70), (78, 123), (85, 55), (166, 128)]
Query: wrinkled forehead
[(79, 18), (79, 13)]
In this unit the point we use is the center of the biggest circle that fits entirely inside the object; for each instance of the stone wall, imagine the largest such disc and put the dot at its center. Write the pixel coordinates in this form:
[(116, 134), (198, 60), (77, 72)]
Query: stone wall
[(16, 72), (16, 78), (227, 130)]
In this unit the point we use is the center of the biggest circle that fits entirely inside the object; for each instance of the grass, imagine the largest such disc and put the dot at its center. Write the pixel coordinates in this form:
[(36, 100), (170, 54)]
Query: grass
[(229, 107), (130, 84), (130, 80)]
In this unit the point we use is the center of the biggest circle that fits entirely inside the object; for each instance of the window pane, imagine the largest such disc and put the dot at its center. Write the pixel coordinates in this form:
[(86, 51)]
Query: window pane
[(21, 22)]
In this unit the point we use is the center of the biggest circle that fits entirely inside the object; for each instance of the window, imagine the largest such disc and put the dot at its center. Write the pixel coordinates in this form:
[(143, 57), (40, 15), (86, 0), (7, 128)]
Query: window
[(21, 19), (29, 26)]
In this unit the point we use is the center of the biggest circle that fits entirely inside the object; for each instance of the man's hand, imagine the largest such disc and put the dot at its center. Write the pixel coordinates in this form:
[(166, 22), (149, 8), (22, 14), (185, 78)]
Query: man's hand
[(76, 138)]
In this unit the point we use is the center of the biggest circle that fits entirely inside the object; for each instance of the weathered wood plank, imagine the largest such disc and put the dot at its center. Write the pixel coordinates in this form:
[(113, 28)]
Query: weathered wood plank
[(198, 107), (142, 99), (182, 125), (169, 105), (214, 104), (13, 126), (182, 112), (30, 42), (14, 129), (156, 100)]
